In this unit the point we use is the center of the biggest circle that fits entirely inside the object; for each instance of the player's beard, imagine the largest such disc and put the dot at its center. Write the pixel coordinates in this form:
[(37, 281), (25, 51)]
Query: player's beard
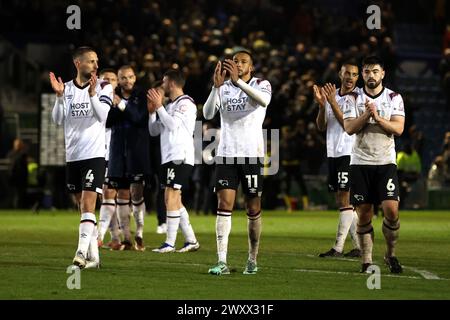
[(373, 85), (127, 89), (87, 75)]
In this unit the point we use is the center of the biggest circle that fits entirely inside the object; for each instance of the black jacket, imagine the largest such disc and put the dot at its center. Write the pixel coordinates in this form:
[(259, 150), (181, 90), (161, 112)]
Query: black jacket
[(129, 152)]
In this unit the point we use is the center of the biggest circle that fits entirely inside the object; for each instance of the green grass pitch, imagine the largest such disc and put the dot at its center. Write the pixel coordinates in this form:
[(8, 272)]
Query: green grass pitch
[(35, 251)]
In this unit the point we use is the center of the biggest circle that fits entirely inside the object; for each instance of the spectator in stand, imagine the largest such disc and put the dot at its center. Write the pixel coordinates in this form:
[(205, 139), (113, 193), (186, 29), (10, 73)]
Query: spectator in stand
[(18, 173), (436, 174), (417, 139), (444, 69), (446, 156), (409, 168)]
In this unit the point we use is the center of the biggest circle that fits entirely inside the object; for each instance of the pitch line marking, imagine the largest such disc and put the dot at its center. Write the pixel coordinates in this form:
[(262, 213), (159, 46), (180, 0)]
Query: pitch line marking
[(353, 273), (424, 273)]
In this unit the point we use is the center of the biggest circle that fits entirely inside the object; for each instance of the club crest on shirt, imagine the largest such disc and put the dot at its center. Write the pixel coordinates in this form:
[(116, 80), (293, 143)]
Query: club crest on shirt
[(347, 109), (267, 87)]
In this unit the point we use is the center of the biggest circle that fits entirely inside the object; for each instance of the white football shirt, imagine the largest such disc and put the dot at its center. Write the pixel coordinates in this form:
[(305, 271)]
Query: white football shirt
[(241, 120), (373, 146), (339, 143), (84, 133), (177, 143)]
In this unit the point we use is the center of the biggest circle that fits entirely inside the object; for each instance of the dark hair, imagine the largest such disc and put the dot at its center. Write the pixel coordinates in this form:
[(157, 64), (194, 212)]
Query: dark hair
[(80, 51), (246, 52), (176, 76), (156, 84), (106, 70), (125, 67), (373, 60), (350, 62)]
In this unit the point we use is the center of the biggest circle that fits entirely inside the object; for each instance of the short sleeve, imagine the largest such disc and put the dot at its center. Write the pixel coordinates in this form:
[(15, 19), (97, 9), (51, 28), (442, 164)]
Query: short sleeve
[(349, 107), (398, 108), (265, 87)]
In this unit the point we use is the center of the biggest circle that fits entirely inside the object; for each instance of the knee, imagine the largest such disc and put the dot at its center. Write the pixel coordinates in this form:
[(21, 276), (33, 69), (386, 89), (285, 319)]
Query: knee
[(88, 201), (253, 210), (391, 211), (137, 191), (225, 204), (253, 206), (86, 206), (108, 194), (169, 201), (123, 194), (172, 199), (364, 214), (342, 199), (341, 203)]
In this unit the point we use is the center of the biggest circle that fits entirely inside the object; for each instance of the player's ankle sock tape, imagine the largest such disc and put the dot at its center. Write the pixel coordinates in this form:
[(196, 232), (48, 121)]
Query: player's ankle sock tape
[(122, 202), (173, 214), (224, 213), (364, 228), (254, 215), (391, 225), (88, 217), (138, 202), (108, 202)]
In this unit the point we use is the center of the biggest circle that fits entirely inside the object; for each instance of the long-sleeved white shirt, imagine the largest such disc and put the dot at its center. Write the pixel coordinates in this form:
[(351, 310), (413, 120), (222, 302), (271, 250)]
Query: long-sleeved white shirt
[(339, 143), (176, 125), (84, 119), (242, 108)]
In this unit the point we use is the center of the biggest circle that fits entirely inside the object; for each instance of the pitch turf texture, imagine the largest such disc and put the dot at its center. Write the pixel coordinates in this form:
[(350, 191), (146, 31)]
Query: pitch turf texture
[(36, 250)]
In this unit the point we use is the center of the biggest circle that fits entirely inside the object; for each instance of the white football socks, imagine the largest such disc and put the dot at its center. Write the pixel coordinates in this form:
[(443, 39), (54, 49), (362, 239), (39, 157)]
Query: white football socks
[(138, 213), (93, 254), (223, 228), (345, 221), (352, 231), (186, 227), (366, 238), (106, 212), (254, 225), (123, 213), (85, 231), (173, 222), (391, 230), (114, 227)]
